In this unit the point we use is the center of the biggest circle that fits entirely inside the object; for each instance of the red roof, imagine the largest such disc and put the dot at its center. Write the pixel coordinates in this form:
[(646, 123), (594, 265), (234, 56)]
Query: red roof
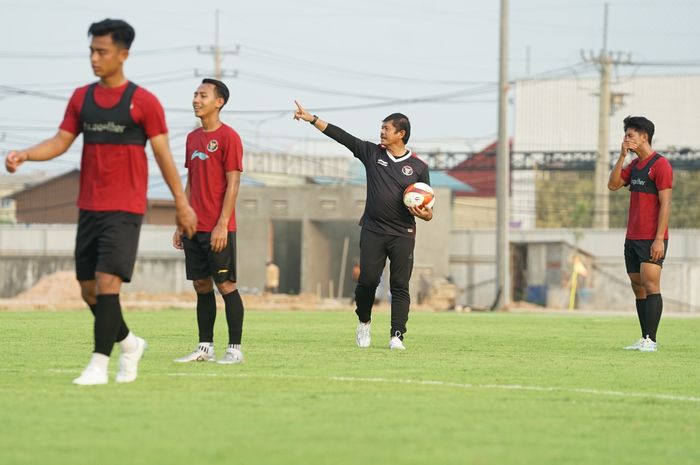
[(479, 171)]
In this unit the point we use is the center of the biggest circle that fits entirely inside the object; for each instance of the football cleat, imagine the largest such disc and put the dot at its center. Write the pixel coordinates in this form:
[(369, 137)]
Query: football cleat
[(648, 345), (203, 353), (91, 376), (396, 344), (231, 356), (636, 346), (129, 362), (363, 334)]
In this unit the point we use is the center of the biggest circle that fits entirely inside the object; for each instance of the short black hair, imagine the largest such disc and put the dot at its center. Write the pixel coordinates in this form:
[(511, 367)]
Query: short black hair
[(401, 123), (640, 124), (220, 89), (122, 33)]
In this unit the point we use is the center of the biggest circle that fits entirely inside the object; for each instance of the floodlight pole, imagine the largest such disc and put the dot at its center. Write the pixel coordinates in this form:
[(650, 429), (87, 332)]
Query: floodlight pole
[(503, 170)]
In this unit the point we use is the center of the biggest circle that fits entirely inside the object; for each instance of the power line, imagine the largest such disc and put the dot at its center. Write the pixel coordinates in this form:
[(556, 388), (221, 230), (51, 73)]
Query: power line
[(70, 85), (670, 64), (34, 93), (261, 78), (436, 98), (305, 64), (24, 55)]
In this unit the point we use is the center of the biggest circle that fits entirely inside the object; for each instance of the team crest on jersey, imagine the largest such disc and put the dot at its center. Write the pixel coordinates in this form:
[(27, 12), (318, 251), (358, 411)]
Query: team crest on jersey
[(407, 170), (213, 145)]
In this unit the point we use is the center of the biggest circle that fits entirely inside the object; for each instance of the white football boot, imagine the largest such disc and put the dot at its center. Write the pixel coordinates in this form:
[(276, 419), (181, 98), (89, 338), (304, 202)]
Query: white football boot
[(648, 345), (203, 353), (95, 373), (231, 356), (129, 362), (636, 346), (396, 344), (363, 334)]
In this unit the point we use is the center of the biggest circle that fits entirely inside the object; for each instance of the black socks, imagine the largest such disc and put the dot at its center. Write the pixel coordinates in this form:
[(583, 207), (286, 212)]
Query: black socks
[(108, 319), (654, 308), (123, 328), (206, 316), (234, 316), (641, 314)]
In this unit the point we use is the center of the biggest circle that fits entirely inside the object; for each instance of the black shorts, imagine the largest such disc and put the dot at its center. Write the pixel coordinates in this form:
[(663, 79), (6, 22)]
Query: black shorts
[(638, 252), (107, 242), (201, 262)]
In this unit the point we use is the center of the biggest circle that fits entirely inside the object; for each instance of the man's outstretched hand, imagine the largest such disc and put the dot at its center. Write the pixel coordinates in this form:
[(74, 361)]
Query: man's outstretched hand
[(302, 114)]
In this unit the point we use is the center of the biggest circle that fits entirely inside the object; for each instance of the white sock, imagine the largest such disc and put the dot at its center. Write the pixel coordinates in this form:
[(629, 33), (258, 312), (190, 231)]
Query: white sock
[(208, 346), (99, 361), (129, 343), (234, 346)]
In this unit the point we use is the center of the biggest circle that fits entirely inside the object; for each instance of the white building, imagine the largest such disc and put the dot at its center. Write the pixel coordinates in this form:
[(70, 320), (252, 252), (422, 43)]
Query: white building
[(561, 115)]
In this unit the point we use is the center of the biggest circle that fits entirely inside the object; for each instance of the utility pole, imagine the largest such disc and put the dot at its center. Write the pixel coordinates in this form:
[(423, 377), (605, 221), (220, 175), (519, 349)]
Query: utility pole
[(601, 212), (503, 170), (218, 53)]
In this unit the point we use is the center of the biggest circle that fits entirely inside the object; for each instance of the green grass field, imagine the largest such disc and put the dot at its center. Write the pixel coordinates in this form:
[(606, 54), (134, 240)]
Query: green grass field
[(470, 389)]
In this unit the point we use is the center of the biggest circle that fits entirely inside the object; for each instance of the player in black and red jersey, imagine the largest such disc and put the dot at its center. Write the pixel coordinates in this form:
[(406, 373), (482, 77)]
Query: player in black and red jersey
[(116, 118), (214, 160), (650, 180), (388, 226)]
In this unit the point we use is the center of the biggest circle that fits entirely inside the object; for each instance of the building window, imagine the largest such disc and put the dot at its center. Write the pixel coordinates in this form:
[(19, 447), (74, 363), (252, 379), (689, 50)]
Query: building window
[(250, 204), (328, 205), (279, 205)]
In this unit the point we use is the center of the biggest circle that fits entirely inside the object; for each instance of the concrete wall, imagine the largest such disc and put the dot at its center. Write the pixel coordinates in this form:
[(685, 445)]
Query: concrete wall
[(315, 265), (433, 246), (28, 253), (323, 258), (328, 215), (472, 265), (286, 253), (252, 252)]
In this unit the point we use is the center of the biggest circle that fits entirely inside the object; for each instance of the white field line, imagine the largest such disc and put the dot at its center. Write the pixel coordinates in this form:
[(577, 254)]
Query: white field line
[(417, 382), (520, 387), (428, 382)]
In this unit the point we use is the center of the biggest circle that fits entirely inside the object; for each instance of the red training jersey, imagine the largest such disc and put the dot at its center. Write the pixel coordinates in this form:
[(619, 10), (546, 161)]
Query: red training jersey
[(208, 157), (115, 177), (643, 217)]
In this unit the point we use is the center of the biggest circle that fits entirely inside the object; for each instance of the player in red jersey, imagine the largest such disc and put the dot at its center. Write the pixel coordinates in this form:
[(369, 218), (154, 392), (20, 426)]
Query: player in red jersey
[(650, 178), (214, 160), (116, 118)]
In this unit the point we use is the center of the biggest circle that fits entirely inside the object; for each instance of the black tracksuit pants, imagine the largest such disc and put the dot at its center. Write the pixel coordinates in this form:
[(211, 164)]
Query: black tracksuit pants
[(375, 248)]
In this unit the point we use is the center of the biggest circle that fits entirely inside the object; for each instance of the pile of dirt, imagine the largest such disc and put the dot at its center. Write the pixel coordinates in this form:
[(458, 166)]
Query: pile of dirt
[(61, 291), (58, 286)]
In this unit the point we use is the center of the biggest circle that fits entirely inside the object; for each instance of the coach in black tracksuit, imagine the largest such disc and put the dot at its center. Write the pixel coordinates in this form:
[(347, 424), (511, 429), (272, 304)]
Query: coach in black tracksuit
[(388, 226)]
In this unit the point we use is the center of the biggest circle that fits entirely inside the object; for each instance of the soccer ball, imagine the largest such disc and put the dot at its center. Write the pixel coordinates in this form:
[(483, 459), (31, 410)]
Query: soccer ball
[(419, 195)]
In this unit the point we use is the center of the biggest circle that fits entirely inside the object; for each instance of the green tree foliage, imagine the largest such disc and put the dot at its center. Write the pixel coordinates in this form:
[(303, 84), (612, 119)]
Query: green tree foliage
[(565, 199)]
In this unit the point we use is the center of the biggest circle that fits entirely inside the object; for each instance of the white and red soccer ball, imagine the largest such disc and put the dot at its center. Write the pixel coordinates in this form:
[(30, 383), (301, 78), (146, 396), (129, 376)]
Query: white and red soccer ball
[(419, 195)]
